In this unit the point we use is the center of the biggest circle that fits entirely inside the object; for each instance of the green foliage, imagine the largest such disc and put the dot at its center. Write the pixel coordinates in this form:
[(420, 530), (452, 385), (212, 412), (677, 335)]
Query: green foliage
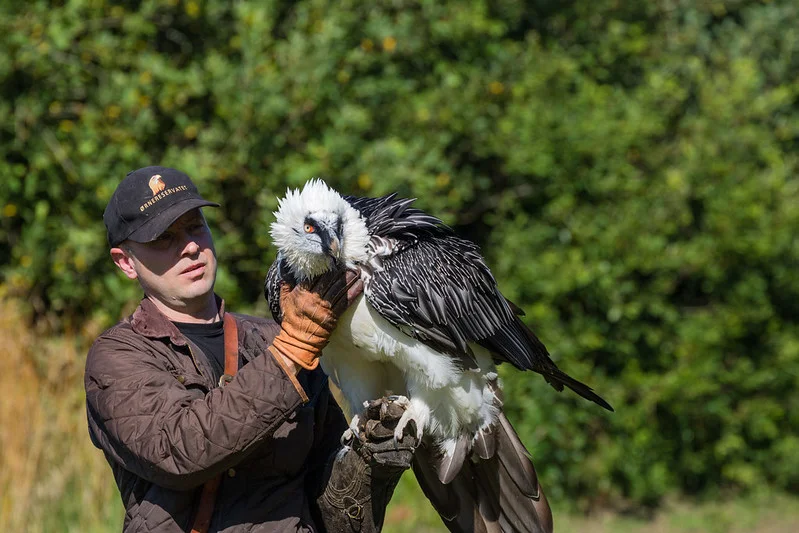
[(630, 169)]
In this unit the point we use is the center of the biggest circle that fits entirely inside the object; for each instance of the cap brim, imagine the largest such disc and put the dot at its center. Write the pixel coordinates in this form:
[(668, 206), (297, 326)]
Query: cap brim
[(155, 226)]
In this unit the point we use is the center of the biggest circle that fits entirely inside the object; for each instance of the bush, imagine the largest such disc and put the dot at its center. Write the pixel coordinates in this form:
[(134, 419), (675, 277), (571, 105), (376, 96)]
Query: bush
[(628, 168)]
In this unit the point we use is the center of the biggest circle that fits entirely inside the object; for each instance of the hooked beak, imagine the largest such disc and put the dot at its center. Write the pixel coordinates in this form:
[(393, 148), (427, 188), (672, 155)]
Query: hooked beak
[(331, 243), (334, 247)]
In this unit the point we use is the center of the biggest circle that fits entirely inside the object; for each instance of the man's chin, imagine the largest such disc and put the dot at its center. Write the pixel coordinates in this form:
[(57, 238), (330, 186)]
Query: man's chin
[(198, 290)]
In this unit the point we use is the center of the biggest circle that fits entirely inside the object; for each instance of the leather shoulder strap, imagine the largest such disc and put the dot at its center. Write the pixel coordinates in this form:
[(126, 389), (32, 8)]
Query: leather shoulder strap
[(208, 497), (206, 507), (231, 349)]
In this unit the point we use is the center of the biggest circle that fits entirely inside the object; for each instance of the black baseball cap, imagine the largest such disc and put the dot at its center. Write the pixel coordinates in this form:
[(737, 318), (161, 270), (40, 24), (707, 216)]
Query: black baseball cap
[(147, 202)]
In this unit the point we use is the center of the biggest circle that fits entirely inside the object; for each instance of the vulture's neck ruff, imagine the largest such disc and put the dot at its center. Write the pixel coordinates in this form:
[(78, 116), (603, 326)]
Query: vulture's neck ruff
[(308, 221)]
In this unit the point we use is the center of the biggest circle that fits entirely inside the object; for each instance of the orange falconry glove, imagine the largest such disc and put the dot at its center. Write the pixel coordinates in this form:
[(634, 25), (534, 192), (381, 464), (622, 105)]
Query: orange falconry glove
[(310, 313)]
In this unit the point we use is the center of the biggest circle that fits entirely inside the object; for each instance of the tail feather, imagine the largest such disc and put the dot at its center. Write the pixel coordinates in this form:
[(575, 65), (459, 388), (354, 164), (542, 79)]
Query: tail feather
[(511, 502), (450, 464), (490, 516), (485, 443), (500, 494), (515, 459), (443, 497), (476, 513), (558, 379), (518, 345)]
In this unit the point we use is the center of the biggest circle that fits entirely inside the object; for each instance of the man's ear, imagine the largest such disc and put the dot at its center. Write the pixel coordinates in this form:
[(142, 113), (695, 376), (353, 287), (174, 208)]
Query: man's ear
[(124, 260)]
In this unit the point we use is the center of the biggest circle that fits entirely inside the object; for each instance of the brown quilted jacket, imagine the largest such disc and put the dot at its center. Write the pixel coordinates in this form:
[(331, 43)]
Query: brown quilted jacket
[(155, 411)]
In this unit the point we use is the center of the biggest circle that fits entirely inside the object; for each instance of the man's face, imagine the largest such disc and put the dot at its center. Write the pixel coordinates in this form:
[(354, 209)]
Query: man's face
[(179, 267)]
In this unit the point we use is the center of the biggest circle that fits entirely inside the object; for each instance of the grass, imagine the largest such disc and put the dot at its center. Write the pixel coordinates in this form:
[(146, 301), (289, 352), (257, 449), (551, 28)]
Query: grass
[(759, 513), (53, 479), (767, 512)]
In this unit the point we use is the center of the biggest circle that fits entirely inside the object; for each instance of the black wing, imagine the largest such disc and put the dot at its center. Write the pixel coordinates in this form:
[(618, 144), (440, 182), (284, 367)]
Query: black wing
[(394, 218), (278, 272), (440, 291), (436, 287)]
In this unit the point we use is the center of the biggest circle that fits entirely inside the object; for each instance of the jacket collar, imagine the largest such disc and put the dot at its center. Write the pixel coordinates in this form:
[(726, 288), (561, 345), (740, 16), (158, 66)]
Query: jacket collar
[(148, 321)]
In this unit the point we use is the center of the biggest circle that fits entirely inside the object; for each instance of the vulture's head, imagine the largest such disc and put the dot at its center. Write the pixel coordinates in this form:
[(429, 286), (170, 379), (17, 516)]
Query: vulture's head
[(316, 228)]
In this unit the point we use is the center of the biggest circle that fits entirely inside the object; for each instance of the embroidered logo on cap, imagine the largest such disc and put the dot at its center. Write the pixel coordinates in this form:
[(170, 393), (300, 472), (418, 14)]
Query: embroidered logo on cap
[(160, 191), (157, 184)]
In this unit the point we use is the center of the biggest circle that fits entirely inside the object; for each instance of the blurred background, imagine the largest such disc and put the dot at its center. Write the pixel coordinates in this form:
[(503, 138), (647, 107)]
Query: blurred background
[(628, 168)]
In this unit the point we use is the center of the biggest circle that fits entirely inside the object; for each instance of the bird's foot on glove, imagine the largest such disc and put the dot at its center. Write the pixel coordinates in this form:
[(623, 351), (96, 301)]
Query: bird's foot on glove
[(374, 433), (388, 408), (353, 432), (400, 400), (409, 415), (383, 418)]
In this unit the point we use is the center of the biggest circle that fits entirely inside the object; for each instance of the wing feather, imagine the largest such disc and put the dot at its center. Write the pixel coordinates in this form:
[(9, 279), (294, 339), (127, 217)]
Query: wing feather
[(436, 287), (443, 292), (272, 290), (447, 297)]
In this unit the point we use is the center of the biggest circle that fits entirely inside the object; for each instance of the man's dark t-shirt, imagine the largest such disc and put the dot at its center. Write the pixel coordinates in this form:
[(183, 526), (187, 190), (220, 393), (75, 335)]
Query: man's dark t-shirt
[(210, 338)]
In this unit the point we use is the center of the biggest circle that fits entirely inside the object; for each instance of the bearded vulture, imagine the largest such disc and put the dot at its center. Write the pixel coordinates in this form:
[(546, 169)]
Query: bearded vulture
[(431, 326)]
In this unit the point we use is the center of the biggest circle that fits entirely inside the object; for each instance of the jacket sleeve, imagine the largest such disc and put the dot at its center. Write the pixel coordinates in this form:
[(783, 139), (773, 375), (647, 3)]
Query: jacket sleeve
[(148, 422)]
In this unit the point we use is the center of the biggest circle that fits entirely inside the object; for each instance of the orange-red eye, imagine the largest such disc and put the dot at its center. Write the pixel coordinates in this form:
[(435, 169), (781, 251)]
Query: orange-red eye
[(309, 228)]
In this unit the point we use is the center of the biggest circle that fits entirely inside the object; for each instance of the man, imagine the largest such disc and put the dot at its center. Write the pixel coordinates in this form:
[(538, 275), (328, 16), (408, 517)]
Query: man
[(218, 422)]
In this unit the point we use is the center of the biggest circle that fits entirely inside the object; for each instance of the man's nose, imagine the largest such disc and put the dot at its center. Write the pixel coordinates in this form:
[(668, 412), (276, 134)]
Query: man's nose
[(190, 246)]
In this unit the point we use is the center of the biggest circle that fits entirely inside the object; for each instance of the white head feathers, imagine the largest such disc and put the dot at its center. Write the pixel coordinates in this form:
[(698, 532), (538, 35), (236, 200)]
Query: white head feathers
[(318, 202)]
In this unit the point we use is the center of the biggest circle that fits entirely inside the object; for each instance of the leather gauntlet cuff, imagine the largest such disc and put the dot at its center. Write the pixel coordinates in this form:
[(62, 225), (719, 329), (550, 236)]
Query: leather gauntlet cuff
[(365, 472), (352, 501), (305, 354)]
